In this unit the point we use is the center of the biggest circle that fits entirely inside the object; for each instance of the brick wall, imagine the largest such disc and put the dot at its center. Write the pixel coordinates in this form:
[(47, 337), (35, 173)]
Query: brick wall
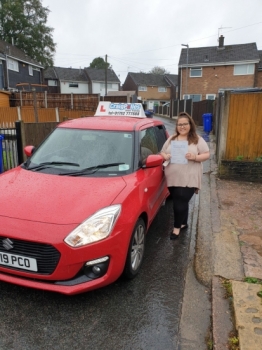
[(242, 171), (153, 93), (214, 78)]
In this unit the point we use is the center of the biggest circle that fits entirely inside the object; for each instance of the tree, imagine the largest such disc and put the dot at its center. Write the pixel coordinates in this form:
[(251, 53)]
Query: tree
[(23, 23), (158, 70), (100, 63)]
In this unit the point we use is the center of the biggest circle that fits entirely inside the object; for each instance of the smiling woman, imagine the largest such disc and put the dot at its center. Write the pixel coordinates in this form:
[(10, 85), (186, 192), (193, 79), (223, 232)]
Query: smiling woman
[(184, 170)]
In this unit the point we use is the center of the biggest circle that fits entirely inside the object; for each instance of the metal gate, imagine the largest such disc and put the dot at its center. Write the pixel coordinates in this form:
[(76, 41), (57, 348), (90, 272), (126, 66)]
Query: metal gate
[(8, 149)]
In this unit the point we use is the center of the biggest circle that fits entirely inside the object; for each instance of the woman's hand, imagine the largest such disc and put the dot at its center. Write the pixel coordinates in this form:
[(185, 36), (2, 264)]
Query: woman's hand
[(191, 156), (166, 156)]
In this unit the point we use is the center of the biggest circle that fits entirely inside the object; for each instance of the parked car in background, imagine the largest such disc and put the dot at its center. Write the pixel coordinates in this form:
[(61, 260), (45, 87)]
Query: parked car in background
[(74, 216)]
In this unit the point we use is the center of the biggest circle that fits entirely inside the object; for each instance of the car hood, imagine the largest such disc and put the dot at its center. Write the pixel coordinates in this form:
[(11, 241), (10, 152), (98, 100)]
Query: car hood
[(33, 196)]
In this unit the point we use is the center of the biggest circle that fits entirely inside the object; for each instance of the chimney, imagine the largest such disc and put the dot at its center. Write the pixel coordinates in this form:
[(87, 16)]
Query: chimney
[(221, 41)]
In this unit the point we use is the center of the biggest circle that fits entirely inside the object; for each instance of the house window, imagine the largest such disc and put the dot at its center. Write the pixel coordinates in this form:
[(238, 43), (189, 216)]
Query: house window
[(30, 70), (195, 98), (52, 82), (103, 86), (142, 88), (73, 85), (244, 69), (196, 72), (12, 65), (161, 89), (210, 96)]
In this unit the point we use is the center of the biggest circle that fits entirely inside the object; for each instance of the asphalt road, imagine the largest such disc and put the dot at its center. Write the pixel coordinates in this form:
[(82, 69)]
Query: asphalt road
[(140, 314)]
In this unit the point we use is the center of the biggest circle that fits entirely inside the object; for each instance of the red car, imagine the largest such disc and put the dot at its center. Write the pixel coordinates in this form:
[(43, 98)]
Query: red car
[(74, 216)]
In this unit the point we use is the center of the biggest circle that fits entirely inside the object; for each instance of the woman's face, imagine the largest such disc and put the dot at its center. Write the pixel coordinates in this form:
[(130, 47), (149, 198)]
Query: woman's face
[(183, 126)]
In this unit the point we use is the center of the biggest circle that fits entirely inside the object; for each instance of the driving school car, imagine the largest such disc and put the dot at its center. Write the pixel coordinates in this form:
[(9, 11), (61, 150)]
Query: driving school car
[(74, 216)]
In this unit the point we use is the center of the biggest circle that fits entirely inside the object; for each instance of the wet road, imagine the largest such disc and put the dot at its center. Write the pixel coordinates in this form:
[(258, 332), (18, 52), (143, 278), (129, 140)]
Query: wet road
[(140, 314)]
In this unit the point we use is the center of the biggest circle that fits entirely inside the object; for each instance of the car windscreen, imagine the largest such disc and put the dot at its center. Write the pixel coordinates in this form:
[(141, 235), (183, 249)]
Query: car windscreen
[(84, 152)]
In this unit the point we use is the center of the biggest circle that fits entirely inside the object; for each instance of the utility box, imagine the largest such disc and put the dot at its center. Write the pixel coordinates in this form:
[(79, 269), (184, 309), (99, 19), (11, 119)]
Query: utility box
[(207, 122)]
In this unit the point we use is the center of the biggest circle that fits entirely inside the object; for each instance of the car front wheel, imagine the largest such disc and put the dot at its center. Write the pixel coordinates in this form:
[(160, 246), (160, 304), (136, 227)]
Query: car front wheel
[(136, 250)]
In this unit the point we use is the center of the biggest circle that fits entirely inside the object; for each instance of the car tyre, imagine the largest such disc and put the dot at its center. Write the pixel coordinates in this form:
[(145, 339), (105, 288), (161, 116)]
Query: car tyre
[(136, 250)]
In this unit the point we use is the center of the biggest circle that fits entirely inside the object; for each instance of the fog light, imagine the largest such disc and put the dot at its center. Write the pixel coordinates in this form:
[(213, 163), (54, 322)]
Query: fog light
[(96, 268)]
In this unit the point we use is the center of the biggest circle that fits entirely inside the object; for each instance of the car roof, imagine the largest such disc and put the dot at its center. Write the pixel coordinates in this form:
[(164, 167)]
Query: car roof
[(110, 123)]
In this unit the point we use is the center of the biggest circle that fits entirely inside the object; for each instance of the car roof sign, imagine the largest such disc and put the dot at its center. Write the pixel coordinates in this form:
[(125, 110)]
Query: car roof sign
[(107, 108)]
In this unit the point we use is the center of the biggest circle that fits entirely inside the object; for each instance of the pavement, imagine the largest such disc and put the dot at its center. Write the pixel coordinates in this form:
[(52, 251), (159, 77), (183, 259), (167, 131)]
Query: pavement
[(228, 256)]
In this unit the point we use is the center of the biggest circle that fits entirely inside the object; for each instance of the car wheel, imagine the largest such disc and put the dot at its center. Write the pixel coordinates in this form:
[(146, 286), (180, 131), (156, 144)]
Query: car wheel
[(136, 250)]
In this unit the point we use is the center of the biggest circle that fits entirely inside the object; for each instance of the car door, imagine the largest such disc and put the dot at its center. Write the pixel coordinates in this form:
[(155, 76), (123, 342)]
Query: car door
[(154, 182)]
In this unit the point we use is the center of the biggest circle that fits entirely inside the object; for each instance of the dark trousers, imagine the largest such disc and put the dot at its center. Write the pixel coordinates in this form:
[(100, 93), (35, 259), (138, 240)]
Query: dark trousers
[(181, 197)]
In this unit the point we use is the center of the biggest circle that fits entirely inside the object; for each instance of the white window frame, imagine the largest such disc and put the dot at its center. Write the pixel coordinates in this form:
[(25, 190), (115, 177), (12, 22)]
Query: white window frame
[(30, 70), (103, 86), (196, 70), (162, 89), (188, 97), (247, 69), (142, 88), (12, 65), (52, 82), (211, 95)]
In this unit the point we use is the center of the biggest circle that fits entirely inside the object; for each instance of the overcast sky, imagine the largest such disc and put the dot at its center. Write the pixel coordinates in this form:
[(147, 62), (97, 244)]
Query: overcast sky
[(138, 35)]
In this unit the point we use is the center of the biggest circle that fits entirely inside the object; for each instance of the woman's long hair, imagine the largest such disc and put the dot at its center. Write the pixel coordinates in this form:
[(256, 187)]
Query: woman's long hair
[(192, 136)]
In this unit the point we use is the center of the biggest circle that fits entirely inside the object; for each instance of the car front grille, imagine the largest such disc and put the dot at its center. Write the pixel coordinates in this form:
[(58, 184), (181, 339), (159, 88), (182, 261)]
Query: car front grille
[(46, 255)]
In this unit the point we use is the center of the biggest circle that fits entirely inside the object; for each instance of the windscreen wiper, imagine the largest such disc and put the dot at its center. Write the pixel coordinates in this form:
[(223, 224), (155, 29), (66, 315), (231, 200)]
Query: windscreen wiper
[(90, 170), (49, 164)]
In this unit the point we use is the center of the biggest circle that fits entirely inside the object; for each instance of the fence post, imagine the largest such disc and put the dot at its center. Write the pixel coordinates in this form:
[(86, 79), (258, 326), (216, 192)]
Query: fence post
[(21, 99), (45, 99), (1, 155), (57, 114), (19, 126), (19, 113), (35, 106), (72, 101)]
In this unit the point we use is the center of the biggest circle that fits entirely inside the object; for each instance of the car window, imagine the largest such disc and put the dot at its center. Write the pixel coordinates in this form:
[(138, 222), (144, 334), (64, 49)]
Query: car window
[(160, 135), (87, 148), (148, 143)]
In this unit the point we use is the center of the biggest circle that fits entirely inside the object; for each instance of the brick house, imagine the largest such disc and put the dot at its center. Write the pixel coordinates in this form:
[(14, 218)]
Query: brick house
[(151, 89), (203, 72), (259, 71)]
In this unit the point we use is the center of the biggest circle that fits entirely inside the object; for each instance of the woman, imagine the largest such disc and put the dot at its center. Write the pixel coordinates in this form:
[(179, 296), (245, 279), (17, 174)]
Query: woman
[(183, 180)]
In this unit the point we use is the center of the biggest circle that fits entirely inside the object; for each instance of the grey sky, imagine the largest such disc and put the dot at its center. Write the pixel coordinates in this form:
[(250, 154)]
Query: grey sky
[(138, 35)]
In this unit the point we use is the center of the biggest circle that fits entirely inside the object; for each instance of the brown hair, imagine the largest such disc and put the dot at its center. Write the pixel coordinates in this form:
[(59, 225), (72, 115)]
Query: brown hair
[(192, 135)]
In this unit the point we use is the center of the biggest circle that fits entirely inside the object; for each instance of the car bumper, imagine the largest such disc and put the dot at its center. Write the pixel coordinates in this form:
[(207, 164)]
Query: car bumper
[(71, 275)]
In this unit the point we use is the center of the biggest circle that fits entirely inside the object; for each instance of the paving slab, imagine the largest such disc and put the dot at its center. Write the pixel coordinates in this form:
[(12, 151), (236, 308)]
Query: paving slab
[(222, 324), (248, 314)]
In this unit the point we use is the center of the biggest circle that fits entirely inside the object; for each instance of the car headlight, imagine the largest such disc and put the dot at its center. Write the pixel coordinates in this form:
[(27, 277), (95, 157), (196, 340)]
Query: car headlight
[(95, 228)]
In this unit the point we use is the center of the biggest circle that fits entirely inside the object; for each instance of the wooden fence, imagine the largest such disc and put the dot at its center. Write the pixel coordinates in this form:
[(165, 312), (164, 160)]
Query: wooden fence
[(9, 115), (244, 129), (83, 102)]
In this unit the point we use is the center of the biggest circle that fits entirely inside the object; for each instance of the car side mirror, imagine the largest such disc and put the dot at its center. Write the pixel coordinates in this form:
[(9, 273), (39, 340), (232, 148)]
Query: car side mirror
[(29, 150), (153, 160)]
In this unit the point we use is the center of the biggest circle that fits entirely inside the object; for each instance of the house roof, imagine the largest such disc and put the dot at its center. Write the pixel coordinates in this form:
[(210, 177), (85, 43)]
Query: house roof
[(219, 55), (68, 74), (149, 79), (49, 73), (14, 52), (96, 74), (260, 62), (173, 78)]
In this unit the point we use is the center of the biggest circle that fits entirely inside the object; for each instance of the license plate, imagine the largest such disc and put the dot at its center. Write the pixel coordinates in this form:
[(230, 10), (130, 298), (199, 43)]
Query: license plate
[(18, 261)]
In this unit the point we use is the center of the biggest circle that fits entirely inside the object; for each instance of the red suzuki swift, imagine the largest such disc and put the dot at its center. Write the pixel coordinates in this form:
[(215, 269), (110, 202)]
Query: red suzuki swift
[(74, 216)]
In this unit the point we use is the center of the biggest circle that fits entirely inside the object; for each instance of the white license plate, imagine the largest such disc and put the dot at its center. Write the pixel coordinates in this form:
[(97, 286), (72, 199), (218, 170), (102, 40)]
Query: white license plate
[(18, 261)]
